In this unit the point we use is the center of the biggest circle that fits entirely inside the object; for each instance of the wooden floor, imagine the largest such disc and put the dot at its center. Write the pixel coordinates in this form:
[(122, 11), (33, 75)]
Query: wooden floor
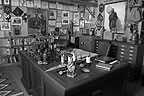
[(133, 88)]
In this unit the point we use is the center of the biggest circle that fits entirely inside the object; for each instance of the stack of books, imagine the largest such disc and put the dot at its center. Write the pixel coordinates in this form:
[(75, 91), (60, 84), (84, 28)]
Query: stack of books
[(104, 62), (104, 66)]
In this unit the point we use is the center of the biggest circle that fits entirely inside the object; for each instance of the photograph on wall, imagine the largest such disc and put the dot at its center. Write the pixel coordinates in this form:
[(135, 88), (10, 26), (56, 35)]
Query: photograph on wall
[(58, 24), (115, 16), (37, 21), (65, 21), (52, 14), (5, 26), (88, 18), (22, 2), (81, 23), (51, 22), (16, 20), (17, 29), (76, 18), (65, 14)]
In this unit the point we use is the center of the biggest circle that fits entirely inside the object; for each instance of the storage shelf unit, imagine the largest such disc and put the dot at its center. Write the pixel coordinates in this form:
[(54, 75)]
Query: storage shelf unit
[(10, 47)]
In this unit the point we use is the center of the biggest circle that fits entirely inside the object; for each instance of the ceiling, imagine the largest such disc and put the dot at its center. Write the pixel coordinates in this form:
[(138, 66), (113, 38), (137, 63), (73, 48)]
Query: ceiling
[(78, 2)]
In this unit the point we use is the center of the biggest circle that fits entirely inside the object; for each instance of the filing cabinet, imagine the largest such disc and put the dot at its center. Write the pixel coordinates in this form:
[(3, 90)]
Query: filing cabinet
[(127, 52), (132, 54)]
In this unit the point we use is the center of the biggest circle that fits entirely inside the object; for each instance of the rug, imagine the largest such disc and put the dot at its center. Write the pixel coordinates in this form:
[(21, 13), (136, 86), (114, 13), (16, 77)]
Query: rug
[(8, 85)]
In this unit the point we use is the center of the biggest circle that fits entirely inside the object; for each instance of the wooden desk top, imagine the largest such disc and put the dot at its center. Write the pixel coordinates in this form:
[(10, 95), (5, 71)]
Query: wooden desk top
[(66, 85)]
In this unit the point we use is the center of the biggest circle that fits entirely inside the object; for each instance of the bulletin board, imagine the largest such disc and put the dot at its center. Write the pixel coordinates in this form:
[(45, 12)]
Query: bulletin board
[(120, 9)]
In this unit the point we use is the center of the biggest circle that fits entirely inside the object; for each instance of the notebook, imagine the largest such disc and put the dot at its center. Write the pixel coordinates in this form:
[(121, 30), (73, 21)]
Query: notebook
[(104, 59)]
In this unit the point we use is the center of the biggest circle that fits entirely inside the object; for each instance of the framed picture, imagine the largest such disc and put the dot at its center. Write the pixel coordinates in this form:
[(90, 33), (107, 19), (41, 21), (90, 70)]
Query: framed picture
[(65, 21), (76, 18), (119, 10), (16, 20), (65, 14), (52, 14), (5, 25), (81, 23), (52, 22)]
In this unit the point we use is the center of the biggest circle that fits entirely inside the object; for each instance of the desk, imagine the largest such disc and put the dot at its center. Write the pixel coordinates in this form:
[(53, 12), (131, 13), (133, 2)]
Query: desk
[(96, 83)]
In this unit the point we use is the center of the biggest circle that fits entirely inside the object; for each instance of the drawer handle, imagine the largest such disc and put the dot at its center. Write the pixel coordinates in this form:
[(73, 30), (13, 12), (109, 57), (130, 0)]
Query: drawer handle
[(122, 52), (131, 51), (129, 62), (122, 49), (121, 56), (131, 47), (123, 45), (130, 58), (131, 54)]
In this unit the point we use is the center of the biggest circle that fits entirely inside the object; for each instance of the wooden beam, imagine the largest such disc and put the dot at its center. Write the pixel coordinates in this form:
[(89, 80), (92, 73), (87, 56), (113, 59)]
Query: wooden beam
[(73, 2)]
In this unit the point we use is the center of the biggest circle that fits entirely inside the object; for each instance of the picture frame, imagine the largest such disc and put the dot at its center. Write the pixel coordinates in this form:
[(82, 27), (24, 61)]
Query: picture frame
[(5, 26), (16, 20), (81, 23), (76, 18), (65, 14), (65, 21), (51, 22), (120, 10), (52, 14)]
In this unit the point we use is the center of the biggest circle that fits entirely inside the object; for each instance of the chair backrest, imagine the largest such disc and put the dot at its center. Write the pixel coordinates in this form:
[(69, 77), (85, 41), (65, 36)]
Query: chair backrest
[(103, 48)]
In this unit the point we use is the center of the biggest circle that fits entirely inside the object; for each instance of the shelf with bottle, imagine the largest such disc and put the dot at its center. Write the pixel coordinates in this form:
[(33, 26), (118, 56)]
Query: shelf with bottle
[(10, 47)]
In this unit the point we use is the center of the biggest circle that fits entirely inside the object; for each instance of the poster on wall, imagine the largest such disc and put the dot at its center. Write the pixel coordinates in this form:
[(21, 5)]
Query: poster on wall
[(37, 21), (115, 21), (5, 26)]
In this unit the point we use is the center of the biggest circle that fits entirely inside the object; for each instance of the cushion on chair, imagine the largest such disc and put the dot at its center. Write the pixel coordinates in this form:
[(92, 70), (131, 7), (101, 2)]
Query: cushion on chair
[(103, 48)]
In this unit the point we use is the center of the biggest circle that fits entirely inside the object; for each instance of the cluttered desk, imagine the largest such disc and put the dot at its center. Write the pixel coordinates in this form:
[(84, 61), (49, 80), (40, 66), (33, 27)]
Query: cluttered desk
[(88, 80)]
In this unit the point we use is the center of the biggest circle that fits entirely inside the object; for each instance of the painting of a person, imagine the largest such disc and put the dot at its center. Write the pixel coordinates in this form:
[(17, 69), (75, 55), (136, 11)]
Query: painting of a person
[(112, 18)]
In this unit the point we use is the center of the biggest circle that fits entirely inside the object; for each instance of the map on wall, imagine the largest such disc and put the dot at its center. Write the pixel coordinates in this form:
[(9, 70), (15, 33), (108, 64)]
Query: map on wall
[(37, 21), (120, 9)]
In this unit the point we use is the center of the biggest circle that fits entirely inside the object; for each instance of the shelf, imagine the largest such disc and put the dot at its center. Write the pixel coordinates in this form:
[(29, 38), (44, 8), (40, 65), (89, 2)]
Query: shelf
[(8, 64), (5, 37), (5, 46), (21, 45)]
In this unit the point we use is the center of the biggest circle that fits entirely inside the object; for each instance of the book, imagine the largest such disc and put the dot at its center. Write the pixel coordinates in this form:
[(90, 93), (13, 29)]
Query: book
[(104, 59), (104, 66)]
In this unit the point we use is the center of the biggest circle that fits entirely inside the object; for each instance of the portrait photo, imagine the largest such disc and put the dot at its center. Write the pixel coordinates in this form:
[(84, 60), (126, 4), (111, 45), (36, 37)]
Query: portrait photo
[(115, 16), (5, 26), (16, 20), (65, 14)]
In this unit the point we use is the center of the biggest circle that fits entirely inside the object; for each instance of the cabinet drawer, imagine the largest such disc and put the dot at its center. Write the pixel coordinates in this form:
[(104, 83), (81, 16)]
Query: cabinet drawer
[(133, 47)]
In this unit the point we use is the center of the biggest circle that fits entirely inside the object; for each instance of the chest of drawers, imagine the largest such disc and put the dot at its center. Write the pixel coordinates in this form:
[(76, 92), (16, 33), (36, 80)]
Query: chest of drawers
[(132, 54)]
